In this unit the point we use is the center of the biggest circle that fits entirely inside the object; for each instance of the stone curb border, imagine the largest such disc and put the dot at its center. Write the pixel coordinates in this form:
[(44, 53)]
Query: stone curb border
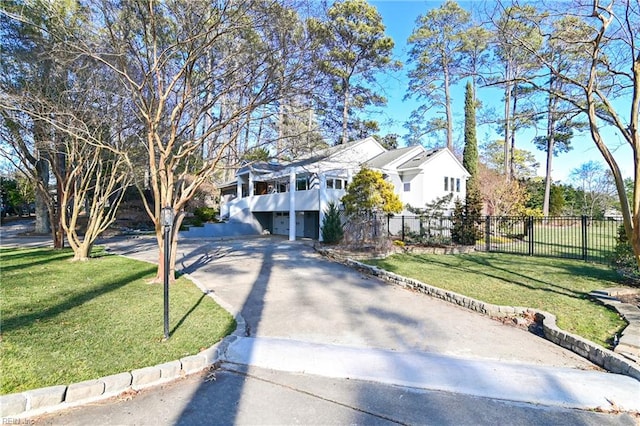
[(597, 354), (54, 398)]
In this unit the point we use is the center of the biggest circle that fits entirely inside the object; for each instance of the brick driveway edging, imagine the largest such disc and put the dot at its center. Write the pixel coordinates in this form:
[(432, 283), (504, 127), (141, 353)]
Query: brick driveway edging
[(545, 321)]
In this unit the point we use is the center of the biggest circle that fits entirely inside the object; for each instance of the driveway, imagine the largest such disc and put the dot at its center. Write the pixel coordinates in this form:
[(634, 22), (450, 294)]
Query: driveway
[(286, 290)]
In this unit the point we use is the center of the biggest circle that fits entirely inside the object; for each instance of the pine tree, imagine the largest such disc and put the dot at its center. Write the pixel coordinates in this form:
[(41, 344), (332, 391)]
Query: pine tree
[(332, 227)]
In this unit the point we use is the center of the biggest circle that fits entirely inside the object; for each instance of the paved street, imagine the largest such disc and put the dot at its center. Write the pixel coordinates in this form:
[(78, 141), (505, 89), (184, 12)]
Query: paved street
[(244, 395)]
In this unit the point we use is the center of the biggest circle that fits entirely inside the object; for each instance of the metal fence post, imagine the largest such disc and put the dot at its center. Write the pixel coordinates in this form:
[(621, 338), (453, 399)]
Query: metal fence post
[(487, 233), (530, 232), (402, 224), (584, 237)]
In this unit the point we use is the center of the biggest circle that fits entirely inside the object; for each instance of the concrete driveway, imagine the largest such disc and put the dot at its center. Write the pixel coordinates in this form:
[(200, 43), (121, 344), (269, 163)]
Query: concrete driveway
[(286, 290)]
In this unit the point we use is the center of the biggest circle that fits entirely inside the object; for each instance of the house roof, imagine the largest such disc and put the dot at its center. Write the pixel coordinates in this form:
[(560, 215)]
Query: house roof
[(388, 157), (419, 159), (326, 153), (262, 166), (271, 166)]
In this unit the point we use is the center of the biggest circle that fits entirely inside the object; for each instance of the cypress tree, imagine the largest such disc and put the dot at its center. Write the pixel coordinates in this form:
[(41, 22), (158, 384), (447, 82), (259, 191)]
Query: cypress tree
[(466, 218), (470, 153)]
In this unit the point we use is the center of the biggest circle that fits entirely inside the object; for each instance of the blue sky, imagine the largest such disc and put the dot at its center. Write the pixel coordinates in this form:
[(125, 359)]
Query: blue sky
[(399, 17)]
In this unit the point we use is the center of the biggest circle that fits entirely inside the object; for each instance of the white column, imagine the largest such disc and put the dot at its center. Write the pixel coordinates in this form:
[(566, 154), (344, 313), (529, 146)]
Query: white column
[(322, 202), (239, 187), (292, 205), (250, 184)]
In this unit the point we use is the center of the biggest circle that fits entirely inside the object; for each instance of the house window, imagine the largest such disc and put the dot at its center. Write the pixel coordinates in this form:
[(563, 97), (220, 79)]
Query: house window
[(457, 185), (446, 183), (302, 184), (407, 186), (333, 183), (451, 182)]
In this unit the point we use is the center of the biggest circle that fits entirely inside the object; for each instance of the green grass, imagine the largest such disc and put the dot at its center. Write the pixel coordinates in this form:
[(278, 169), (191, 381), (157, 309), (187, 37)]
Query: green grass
[(64, 322), (558, 286)]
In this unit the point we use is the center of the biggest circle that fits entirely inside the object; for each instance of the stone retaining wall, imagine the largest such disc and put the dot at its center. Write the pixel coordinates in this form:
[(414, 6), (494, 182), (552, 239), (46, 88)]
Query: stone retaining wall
[(597, 354)]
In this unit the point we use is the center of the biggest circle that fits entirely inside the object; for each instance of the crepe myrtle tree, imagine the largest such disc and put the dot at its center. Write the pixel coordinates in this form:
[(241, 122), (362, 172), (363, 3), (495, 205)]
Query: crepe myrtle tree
[(193, 74)]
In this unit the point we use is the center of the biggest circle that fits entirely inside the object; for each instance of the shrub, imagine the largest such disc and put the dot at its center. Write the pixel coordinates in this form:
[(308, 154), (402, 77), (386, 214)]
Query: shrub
[(623, 257), (205, 214), (332, 228)]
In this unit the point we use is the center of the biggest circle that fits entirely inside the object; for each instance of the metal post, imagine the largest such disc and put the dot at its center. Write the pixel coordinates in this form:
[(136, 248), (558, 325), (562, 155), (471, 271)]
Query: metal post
[(388, 227), (584, 237), (487, 234), (530, 232), (167, 257), (167, 223)]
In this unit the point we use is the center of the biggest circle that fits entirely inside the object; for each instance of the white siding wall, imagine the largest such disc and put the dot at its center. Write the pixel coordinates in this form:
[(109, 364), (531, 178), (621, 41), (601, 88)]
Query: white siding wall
[(433, 176), (413, 197), (305, 201)]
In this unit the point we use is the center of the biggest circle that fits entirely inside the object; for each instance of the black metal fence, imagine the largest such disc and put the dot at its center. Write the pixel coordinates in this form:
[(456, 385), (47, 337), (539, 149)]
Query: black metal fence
[(572, 237)]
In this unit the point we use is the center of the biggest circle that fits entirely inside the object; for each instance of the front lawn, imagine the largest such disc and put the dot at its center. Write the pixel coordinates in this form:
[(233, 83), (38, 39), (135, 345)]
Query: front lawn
[(557, 286), (64, 322)]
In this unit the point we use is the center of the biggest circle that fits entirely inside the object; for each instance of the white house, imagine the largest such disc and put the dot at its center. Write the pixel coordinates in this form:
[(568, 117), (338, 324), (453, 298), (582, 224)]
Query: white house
[(290, 199), (420, 176)]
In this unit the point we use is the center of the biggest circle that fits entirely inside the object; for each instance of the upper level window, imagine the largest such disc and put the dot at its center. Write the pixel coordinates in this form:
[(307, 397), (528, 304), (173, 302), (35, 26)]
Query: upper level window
[(407, 186), (302, 184), (334, 183), (451, 184)]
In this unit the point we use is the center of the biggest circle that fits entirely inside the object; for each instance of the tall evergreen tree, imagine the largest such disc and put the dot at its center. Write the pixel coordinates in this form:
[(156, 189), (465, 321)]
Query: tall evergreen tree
[(466, 217), (470, 153), (437, 45), (357, 49), (515, 22)]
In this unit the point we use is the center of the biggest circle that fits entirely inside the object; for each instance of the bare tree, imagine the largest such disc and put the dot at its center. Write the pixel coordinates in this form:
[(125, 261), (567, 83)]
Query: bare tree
[(191, 73), (596, 185), (604, 85), (71, 123), (501, 197)]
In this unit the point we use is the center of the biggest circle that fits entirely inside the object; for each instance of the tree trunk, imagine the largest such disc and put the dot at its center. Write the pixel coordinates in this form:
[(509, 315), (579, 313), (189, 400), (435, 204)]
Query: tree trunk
[(447, 106), (551, 125), (507, 128), (512, 148), (547, 179), (82, 252), (43, 224), (345, 113)]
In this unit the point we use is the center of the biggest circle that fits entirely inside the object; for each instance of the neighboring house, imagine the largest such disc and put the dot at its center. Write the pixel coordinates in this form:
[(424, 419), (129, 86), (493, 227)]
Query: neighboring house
[(290, 199)]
